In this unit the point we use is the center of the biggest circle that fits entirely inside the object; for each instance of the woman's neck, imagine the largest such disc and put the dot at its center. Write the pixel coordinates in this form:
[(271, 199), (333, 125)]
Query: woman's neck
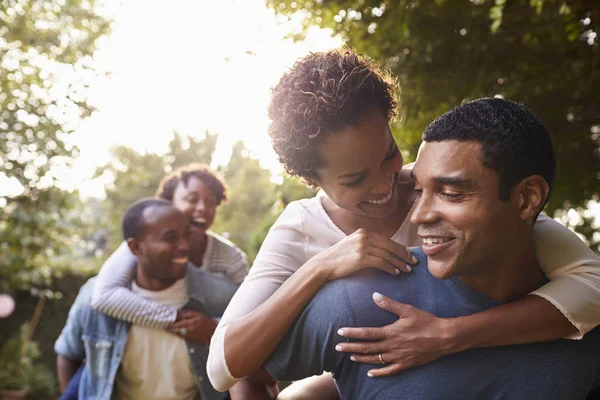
[(197, 249)]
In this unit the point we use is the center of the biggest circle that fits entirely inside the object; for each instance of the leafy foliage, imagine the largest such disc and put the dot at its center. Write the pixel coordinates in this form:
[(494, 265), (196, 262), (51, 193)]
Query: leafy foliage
[(45, 63), (136, 175), (21, 369), (543, 53), (254, 201)]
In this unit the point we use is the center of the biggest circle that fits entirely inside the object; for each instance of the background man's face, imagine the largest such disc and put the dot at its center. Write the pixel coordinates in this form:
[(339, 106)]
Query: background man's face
[(163, 246), (465, 228)]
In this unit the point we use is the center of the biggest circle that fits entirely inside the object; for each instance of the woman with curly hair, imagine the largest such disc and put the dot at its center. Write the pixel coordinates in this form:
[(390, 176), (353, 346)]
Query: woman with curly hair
[(331, 116)]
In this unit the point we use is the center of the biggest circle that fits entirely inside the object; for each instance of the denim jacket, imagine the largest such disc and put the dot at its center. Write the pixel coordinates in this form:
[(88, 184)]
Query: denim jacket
[(101, 340)]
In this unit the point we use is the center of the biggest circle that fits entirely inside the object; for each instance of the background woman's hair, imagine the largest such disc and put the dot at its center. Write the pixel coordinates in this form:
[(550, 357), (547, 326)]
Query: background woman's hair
[(169, 183)]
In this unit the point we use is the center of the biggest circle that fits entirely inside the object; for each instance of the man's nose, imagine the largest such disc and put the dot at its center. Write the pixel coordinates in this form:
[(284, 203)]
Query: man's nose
[(424, 211), (184, 245)]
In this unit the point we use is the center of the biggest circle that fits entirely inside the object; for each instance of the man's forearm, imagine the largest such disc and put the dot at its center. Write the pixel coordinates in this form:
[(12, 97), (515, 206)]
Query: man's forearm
[(65, 368)]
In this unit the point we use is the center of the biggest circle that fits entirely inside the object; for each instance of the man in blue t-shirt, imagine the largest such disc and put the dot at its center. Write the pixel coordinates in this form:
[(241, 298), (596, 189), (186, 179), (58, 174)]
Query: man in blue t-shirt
[(483, 175)]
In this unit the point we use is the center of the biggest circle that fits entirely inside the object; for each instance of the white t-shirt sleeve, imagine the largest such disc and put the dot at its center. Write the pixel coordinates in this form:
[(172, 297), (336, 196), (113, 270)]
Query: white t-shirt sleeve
[(574, 273), (112, 295), (283, 251)]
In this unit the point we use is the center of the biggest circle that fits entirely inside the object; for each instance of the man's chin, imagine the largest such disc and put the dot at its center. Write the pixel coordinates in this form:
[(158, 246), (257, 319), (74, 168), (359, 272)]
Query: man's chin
[(440, 269), (178, 271)]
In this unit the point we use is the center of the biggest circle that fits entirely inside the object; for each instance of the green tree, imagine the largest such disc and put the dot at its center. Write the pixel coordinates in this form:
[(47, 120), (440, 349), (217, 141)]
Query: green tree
[(289, 190), (251, 197), (543, 53), (46, 50), (136, 175)]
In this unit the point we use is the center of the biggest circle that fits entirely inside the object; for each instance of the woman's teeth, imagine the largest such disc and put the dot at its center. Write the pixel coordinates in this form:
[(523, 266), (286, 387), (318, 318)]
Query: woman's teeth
[(180, 260), (432, 241), (199, 220), (382, 201)]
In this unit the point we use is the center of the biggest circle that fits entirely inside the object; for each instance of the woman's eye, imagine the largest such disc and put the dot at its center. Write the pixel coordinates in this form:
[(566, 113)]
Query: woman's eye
[(418, 192), (356, 182)]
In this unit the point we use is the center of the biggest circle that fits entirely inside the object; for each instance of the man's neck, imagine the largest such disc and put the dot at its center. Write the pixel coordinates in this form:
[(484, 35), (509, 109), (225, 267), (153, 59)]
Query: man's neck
[(152, 284), (513, 276)]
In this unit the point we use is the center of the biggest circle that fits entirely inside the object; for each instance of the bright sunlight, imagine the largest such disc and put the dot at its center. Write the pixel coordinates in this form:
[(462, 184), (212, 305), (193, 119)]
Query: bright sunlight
[(173, 68)]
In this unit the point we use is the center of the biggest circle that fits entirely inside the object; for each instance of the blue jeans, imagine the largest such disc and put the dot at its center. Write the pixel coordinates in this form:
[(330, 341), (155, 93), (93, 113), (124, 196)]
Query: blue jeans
[(72, 390)]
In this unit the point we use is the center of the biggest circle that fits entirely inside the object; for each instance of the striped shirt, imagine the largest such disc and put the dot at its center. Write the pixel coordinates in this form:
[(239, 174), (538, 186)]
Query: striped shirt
[(113, 296)]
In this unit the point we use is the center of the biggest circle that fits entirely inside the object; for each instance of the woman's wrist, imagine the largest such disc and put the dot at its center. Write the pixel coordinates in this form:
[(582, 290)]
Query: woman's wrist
[(455, 335), (316, 270)]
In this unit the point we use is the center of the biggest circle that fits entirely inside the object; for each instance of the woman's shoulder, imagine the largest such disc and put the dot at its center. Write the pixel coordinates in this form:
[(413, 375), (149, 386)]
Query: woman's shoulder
[(303, 210), (222, 244)]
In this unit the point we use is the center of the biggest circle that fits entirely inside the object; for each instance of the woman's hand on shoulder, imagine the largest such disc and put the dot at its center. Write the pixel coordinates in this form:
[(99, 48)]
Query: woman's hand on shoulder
[(416, 338), (360, 250)]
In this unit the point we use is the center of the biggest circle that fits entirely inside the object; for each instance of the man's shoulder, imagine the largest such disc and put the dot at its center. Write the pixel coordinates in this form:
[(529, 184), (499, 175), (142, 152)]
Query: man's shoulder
[(83, 302), (84, 297), (367, 278), (199, 280), (213, 291)]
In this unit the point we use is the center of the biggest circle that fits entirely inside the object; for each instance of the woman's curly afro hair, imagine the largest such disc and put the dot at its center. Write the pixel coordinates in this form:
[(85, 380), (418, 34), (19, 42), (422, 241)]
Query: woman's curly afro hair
[(324, 92), (167, 186)]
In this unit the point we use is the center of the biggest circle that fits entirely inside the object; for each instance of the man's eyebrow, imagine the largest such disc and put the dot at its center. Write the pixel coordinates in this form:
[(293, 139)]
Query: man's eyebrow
[(451, 181), (169, 232), (455, 181)]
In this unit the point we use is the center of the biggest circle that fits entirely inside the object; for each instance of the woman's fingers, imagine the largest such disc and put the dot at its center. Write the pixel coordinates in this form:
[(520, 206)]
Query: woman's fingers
[(369, 358), (388, 258), (393, 306), (363, 333), (391, 369), (378, 262), (362, 348), (395, 249), (178, 325)]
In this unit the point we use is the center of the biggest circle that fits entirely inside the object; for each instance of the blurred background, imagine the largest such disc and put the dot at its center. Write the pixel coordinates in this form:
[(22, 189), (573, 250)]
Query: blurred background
[(99, 99)]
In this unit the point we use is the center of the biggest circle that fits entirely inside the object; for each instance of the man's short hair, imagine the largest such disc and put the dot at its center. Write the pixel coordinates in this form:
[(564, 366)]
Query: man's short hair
[(167, 186), (324, 92), (514, 142), (133, 221)]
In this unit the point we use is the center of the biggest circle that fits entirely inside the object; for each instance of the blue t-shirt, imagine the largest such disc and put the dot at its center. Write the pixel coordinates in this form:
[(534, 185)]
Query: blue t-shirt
[(561, 369)]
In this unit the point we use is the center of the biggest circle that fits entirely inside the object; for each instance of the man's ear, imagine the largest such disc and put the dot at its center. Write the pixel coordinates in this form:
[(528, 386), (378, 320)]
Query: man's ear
[(533, 193), (134, 246)]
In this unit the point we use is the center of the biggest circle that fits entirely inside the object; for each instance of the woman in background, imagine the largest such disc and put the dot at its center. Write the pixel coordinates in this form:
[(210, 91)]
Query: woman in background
[(196, 191)]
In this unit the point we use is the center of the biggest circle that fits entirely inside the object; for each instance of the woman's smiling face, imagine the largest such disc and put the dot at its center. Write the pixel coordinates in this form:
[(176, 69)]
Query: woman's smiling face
[(197, 201), (361, 164)]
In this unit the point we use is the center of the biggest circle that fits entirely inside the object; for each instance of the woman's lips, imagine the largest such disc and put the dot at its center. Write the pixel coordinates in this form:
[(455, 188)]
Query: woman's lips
[(199, 223), (388, 197)]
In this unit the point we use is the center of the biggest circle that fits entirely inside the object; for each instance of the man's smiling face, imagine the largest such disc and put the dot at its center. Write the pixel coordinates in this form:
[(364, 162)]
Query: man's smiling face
[(464, 226)]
